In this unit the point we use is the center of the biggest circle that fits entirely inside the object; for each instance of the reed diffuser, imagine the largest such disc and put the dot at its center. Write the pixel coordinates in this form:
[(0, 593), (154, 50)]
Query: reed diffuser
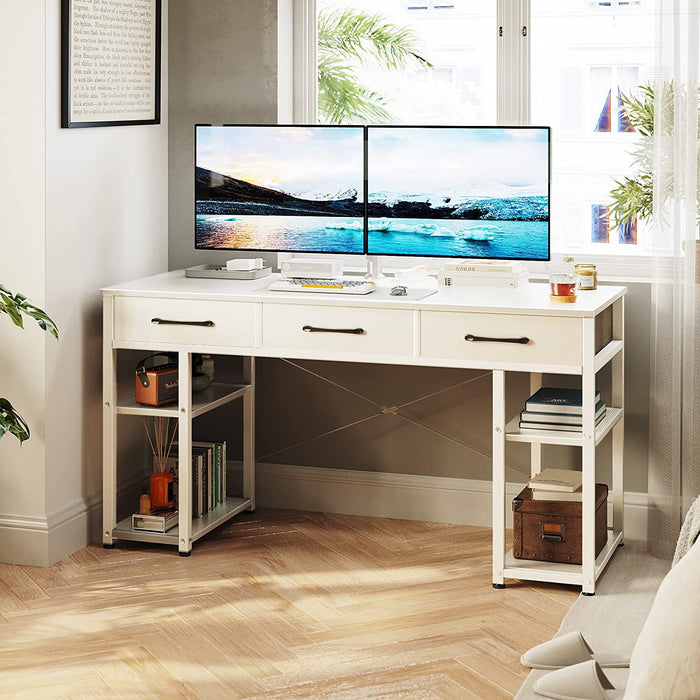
[(162, 491)]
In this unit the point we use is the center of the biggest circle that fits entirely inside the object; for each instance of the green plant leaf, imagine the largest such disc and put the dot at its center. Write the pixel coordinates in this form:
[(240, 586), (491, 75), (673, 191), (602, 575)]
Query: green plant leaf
[(16, 306), (12, 422), (346, 38)]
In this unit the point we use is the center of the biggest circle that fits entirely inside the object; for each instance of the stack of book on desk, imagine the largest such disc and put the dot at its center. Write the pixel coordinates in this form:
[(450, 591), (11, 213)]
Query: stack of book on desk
[(550, 408), (556, 485)]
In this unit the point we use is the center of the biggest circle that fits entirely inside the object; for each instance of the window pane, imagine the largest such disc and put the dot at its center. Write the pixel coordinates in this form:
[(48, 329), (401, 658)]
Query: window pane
[(459, 40), (584, 55)]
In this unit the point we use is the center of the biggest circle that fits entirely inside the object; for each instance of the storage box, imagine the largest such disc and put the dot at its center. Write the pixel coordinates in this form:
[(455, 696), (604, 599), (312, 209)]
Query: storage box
[(551, 530)]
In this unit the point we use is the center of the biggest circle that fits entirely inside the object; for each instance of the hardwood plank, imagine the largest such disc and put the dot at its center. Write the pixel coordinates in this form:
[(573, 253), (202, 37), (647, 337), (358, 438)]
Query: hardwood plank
[(276, 604)]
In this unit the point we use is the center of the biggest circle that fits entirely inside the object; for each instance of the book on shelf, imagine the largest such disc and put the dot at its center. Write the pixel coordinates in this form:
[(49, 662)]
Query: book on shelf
[(154, 522), (544, 495), (556, 480), (208, 475), (562, 418), (568, 427), (555, 400)]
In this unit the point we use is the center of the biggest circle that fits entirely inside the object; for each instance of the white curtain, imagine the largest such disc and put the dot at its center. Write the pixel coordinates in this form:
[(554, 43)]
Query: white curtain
[(674, 454)]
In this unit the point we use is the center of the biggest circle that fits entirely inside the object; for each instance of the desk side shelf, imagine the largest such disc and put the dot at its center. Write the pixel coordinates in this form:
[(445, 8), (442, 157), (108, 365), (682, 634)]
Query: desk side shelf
[(212, 397), (593, 360), (189, 405)]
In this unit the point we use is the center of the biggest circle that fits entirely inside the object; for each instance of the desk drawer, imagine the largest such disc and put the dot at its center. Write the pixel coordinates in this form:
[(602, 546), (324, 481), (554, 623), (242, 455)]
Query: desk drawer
[(553, 340), (349, 330), (184, 321)]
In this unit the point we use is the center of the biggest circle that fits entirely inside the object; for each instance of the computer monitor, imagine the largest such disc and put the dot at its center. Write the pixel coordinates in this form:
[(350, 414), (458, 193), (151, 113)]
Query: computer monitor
[(468, 192), (280, 188)]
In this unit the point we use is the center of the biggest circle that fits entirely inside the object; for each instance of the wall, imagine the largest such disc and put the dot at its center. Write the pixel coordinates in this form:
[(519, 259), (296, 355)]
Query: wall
[(223, 68), (98, 202), (22, 251)]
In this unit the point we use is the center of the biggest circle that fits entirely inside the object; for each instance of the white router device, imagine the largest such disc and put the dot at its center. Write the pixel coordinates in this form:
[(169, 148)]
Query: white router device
[(321, 269)]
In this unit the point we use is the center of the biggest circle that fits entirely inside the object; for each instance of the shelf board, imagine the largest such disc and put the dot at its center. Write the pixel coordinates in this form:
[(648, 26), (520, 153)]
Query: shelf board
[(607, 354), (552, 572), (212, 397), (561, 437), (200, 526)]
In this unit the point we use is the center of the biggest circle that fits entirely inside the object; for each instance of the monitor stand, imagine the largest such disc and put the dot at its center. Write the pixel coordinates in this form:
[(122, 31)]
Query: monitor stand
[(374, 268)]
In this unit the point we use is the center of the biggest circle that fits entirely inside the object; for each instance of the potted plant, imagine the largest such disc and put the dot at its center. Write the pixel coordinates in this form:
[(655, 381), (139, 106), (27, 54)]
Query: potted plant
[(16, 306), (633, 196)]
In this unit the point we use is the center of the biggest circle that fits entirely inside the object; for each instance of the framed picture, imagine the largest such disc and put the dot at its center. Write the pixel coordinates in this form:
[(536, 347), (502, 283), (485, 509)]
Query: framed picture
[(110, 62)]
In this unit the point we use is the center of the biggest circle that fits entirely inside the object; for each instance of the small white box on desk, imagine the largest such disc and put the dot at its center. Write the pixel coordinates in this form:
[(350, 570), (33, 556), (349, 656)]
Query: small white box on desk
[(449, 278), (244, 264), (321, 269)]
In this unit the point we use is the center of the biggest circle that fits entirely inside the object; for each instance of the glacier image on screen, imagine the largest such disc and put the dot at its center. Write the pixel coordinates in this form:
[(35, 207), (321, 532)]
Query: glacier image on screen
[(280, 188), (458, 191)]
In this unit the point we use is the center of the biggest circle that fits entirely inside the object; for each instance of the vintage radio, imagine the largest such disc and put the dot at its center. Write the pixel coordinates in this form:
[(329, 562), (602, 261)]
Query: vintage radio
[(551, 530), (157, 380)]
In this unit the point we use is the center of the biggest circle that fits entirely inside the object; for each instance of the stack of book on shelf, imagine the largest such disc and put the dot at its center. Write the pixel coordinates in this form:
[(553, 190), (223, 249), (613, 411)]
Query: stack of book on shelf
[(556, 485), (558, 409), (208, 475), (156, 521)]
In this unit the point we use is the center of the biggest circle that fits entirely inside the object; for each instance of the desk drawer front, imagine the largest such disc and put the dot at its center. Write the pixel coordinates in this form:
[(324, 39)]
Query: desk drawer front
[(551, 340), (338, 329), (184, 321)]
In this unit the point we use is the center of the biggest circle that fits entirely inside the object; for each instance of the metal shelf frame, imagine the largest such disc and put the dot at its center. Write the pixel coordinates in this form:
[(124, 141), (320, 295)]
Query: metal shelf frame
[(585, 575), (187, 408)]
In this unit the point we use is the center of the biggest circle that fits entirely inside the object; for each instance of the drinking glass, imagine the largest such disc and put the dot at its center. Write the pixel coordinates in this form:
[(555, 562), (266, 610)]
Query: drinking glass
[(563, 286)]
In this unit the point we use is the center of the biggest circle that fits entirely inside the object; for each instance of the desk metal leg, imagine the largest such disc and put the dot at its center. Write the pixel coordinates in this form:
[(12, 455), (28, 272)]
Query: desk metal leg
[(535, 447), (588, 465), (185, 453), (249, 432), (109, 427), (499, 477), (618, 433)]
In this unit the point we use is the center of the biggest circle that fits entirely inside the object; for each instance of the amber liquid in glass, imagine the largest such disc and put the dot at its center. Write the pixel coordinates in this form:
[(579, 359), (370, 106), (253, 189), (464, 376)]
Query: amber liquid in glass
[(564, 289)]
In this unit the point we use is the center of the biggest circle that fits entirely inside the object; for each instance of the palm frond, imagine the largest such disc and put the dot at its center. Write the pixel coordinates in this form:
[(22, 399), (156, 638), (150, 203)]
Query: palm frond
[(353, 33), (346, 38), (343, 100)]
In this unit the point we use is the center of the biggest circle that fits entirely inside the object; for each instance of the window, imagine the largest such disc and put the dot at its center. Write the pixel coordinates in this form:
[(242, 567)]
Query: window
[(459, 88), (562, 63)]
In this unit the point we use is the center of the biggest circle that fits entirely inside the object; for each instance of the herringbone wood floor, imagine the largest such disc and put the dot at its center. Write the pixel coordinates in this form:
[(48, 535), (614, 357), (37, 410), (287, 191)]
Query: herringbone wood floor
[(278, 604)]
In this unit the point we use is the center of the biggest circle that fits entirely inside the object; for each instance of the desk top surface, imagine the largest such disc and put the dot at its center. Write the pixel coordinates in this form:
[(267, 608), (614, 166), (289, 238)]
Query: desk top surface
[(528, 299)]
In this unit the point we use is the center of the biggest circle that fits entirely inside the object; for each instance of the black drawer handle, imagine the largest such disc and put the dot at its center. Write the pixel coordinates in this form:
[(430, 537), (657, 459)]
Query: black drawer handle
[(351, 331), (169, 322), (481, 339), (551, 537)]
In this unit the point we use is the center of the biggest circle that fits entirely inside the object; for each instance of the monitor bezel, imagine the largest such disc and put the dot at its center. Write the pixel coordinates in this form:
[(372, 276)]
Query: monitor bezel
[(548, 129), (282, 250)]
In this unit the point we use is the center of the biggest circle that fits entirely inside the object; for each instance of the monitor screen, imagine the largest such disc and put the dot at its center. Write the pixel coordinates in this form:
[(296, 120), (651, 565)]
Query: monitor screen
[(468, 192), (280, 188)]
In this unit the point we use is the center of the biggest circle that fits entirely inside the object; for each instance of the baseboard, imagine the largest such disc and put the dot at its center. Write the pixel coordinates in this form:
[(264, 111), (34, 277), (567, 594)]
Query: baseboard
[(407, 496), (38, 541)]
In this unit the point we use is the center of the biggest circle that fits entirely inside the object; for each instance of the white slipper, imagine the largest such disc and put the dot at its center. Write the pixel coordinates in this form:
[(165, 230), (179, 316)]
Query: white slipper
[(567, 650), (585, 681)]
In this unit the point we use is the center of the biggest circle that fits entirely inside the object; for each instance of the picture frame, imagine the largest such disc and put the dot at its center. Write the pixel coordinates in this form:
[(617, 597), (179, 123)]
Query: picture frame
[(110, 63)]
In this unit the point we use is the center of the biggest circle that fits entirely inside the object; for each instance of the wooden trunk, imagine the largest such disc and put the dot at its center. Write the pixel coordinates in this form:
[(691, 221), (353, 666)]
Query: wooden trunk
[(551, 530)]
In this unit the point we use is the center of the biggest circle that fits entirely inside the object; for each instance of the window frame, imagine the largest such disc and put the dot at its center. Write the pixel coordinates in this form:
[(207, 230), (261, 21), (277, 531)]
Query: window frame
[(297, 61)]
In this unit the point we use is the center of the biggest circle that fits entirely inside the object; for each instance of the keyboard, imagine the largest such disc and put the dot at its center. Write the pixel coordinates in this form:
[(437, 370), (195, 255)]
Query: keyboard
[(309, 284)]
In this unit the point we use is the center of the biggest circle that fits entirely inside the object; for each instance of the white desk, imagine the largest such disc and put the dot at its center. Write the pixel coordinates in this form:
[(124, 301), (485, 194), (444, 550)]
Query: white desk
[(226, 317)]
